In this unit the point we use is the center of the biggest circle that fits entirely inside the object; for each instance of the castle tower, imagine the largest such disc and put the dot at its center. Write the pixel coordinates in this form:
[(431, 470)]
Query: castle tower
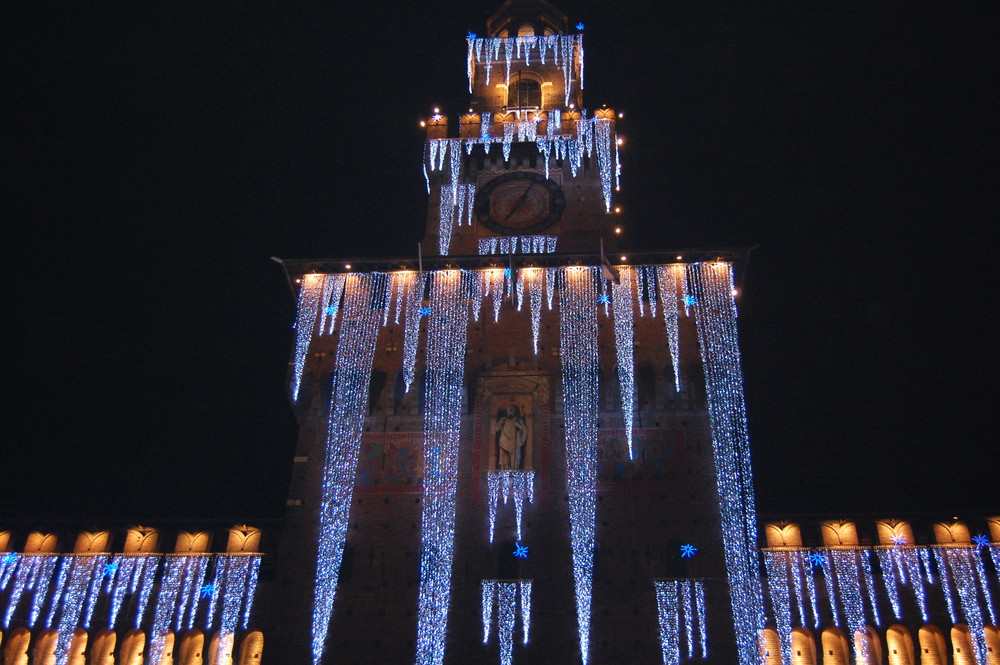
[(515, 448)]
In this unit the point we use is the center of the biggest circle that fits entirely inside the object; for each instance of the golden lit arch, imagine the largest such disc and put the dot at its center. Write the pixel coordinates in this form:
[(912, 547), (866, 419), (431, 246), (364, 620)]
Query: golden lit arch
[(961, 645), (803, 647), (952, 533), (251, 648), (992, 645), (133, 648), (44, 652), (168, 650), (835, 651), (770, 647), (867, 647), (899, 643), (192, 648), (102, 649), (839, 532), (15, 648), (78, 648), (220, 649), (932, 647)]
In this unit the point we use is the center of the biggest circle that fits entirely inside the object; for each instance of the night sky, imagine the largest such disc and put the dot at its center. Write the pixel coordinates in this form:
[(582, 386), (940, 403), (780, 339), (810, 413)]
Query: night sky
[(155, 156)]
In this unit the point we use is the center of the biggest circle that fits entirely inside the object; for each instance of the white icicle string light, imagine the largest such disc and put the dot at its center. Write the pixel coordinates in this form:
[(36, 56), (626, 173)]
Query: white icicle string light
[(489, 594), (506, 617), (169, 588), (236, 574), (959, 561), (666, 277), (550, 285), (776, 564), (869, 578), (41, 582), (806, 564), (578, 343), (305, 323), (446, 219), (497, 284), (518, 286), (640, 287), (525, 592), (604, 140), (985, 587), (446, 341), (717, 335), (666, 606), (411, 330), (333, 292), (621, 292), (355, 352), (890, 578), (535, 277), (946, 585), (508, 138), (72, 600), (798, 583), (97, 577), (687, 602), (846, 567), (216, 592), (831, 594), (64, 566), (702, 623)]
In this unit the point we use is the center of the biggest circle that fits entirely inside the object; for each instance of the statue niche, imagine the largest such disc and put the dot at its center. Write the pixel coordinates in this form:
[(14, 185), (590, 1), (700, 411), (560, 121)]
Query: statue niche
[(512, 430)]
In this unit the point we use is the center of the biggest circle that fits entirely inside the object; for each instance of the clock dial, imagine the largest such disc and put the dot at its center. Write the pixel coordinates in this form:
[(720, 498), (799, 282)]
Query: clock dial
[(519, 203)]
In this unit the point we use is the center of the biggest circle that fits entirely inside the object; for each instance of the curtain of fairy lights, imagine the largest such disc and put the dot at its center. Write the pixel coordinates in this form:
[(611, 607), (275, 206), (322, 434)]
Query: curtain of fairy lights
[(666, 605), (624, 319), (959, 565), (578, 338), (446, 338), (503, 484), (360, 320), (505, 595), (71, 598), (678, 600), (847, 568), (666, 278), (715, 316), (305, 324), (776, 564)]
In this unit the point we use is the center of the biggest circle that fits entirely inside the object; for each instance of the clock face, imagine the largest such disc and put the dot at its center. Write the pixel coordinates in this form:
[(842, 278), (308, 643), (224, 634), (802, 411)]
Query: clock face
[(519, 203)]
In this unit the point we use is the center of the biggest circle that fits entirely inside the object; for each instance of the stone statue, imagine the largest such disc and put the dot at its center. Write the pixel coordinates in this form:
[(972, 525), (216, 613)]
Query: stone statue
[(512, 432)]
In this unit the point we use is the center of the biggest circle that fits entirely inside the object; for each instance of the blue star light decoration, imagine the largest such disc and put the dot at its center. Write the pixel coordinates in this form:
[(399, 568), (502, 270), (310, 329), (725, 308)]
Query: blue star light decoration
[(689, 300), (817, 559), (898, 539), (425, 311), (9, 557), (981, 541), (506, 272), (579, 26), (110, 569), (603, 299), (331, 310), (207, 590), (520, 551), (470, 35), (688, 551)]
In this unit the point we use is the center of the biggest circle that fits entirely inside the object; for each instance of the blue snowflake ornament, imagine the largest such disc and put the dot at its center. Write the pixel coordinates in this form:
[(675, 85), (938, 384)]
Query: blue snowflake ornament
[(689, 301), (331, 310), (817, 559), (981, 541), (207, 590), (9, 557), (425, 311), (579, 26), (603, 299), (110, 569), (688, 551), (520, 551), (898, 539), (470, 35)]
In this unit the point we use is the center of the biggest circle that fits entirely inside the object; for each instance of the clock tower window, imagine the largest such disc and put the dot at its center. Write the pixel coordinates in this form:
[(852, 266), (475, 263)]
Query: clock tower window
[(524, 93)]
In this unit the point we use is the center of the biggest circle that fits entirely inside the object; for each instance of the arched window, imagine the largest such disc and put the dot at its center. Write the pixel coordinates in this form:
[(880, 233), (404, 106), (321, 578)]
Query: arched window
[(524, 92)]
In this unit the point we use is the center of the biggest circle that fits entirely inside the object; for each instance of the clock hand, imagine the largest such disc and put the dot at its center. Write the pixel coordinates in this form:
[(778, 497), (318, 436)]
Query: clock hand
[(520, 201)]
